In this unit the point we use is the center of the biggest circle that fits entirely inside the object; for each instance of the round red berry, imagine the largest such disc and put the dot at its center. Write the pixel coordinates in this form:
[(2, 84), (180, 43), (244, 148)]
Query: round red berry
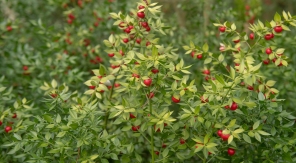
[(268, 51), (222, 29), (252, 36), (278, 29), (125, 40), (141, 15), (148, 82), (175, 100), (7, 129), (231, 151), (233, 106)]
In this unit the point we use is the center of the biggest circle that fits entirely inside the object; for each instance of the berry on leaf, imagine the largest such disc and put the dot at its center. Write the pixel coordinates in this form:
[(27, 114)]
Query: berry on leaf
[(141, 15), (222, 29), (148, 82), (175, 99), (278, 29)]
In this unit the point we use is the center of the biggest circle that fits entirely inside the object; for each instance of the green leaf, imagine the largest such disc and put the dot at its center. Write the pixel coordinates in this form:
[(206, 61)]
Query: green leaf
[(205, 47), (261, 96), (61, 134), (17, 136), (247, 138), (230, 139), (58, 119), (221, 58), (257, 136), (208, 60), (237, 131), (256, 125), (263, 132), (277, 17), (54, 83), (231, 123), (2, 89)]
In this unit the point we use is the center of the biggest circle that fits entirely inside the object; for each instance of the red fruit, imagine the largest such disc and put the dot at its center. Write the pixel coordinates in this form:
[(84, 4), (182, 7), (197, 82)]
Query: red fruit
[(125, 40), (222, 48), (148, 28), (141, 15), (9, 28), (252, 36), (111, 55), (225, 137), (14, 115), (199, 56), (251, 88), (138, 40), (154, 71), (127, 30), (71, 16), (148, 82), (268, 36), (268, 51), (247, 7), (144, 24), (182, 141), (230, 151), (0, 123), (121, 24), (116, 85), (136, 75), (226, 107), (266, 62), (114, 66), (25, 68), (206, 72), (92, 87), (141, 7), (156, 152), (164, 146), (192, 54), (69, 21), (278, 29), (150, 95), (236, 41), (54, 95), (135, 128), (148, 43), (121, 52), (175, 100), (131, 27), (132, 116), (222, 29), (7, 129), (219, 133), (233, 106)]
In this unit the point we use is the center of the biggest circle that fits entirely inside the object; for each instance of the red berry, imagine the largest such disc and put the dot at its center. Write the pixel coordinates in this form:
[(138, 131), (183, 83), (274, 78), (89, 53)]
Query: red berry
[(182, 141), (54, 95), (148, 43), (116, 85), (138, 40), (132, 116), (222, 29), (230, 151), (251, 88), (111, 55), (236, 41), (164, 146), (121, 52), (278, 29), (233, 106), (71, 16), (247, 7), (175, 100), (92, 87), (150, 95), (226, 107), (225, 137), (141, 7), (154, 71), (131, 27), (252, 36), (121, 24), (148, 82), (219, 133), (141, 15), (9, 28), (148, 28), (69, 21), (25, 68), (135, 128), (206, 72), (192, 54), (125, 40), (127, 30), (222, 48), (268, 36), (144, 24), (268, 51), (14, 115), (266, 62), (199, 56), (136, 75), (156, 152), (7, 129), (0, 123)]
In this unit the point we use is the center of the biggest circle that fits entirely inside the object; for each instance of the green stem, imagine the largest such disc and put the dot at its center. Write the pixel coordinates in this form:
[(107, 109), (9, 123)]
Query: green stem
[(152, 133)]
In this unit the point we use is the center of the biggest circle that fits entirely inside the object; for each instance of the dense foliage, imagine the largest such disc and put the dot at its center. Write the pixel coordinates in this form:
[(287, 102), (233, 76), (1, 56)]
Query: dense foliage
[(117, 81)]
